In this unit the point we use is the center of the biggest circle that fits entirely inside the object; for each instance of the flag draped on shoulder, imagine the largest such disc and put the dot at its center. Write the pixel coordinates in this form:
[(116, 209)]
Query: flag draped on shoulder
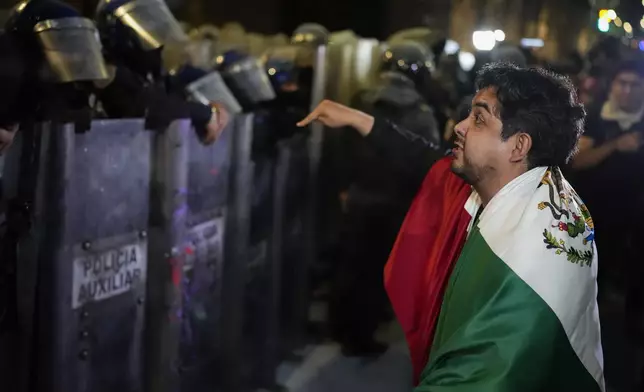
[(428, 244), (518, 308)]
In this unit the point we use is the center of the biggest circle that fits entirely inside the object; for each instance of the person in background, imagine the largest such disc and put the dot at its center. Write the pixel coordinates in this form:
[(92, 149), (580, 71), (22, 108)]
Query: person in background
[(493, 274), (374, 200), (608, 173)]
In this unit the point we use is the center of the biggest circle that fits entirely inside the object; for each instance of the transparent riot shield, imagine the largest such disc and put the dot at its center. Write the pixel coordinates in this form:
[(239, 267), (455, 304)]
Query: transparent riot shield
[(253, 271), (292, 178), (207, 205), (315, 145), (167, 232), (262, 289), (80, 203), (237, 255)]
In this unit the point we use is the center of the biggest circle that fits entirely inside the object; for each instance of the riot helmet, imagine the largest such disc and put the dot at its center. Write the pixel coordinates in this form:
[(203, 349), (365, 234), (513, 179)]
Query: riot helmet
[(310, 34), (290, 70), (61, 45), (412, 60), (433, 40), (246, 77), (136, 31), (205, 87)]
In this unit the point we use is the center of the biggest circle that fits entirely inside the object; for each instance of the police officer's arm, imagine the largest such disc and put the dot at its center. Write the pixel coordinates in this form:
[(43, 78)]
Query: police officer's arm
[(208, 121), (125, 96), (409, 152)]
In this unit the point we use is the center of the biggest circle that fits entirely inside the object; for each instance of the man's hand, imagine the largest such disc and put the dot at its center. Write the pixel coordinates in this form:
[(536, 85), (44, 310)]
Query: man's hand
[(335, 115), (6, 137), (218, 121), (630, 142)]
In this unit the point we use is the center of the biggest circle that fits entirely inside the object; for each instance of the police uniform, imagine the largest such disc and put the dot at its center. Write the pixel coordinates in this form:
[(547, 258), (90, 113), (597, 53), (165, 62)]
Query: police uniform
[(133, 34), (377, 198)]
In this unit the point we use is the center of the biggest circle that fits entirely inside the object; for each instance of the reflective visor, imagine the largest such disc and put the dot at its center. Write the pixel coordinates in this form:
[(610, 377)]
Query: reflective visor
[(248, 80), (212, 88), (153, 23), (72, 49)]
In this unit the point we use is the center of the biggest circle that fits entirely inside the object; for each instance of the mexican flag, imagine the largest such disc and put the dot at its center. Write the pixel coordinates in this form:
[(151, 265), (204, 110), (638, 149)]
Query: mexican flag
[(517, 306)]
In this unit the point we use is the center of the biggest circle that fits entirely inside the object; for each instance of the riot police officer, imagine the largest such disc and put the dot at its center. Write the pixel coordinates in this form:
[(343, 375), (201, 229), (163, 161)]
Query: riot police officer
[(290, 70), (62, 56), (375, 200), (416, 62), (310, 34), (50, 56), (134, 35)]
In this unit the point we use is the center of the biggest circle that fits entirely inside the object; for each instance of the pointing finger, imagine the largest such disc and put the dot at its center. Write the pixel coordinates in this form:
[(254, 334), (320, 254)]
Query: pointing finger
[(310, 118)]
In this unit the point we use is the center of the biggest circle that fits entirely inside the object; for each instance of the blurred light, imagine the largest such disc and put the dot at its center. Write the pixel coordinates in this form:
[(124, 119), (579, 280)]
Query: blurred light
[(451, 47), (484, 40), (388, 54), (272, 71), (499, 35), (532, 43), (602, 13), (414, 67), (618, 22), (603, 26), (401, 63), (641, 45), (466, 61), (220, 59), (611, 14), (628, 28), (642, 23)]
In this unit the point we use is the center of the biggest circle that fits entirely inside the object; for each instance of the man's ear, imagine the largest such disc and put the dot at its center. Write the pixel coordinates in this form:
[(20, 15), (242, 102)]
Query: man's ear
[(522, 146)]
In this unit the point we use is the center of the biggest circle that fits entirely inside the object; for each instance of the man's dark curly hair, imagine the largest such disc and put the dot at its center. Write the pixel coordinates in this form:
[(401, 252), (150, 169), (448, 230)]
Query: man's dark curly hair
[(540, 103)]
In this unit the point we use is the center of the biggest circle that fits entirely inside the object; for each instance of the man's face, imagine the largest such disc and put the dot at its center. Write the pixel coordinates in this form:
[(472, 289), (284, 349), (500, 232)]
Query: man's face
[(479, 149), (627, 90)]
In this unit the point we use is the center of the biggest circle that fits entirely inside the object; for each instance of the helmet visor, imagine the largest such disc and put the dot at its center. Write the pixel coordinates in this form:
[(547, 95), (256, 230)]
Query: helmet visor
[(212, 88), (153, 23), (72, 49)]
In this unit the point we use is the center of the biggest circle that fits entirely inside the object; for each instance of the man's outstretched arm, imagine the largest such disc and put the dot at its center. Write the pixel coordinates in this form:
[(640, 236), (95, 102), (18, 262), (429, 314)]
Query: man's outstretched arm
[(410, 153)]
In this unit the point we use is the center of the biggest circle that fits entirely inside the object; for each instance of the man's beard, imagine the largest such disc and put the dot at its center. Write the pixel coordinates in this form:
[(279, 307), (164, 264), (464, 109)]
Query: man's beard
[(467, 171)]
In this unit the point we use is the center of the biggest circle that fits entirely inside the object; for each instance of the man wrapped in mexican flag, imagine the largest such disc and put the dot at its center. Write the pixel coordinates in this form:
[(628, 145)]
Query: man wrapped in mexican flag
[(493, 274)]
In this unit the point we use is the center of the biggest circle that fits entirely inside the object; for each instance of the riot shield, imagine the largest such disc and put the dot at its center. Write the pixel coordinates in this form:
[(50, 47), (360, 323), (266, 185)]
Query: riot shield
[(236, 254), (80, 202), (315, 145), (207, 202), (251, 339), (167, 231), (290, 209), (262, 290)]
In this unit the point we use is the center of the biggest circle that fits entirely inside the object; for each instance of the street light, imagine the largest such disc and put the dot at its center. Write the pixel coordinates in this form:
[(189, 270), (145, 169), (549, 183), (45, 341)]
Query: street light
[(484, 40)]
